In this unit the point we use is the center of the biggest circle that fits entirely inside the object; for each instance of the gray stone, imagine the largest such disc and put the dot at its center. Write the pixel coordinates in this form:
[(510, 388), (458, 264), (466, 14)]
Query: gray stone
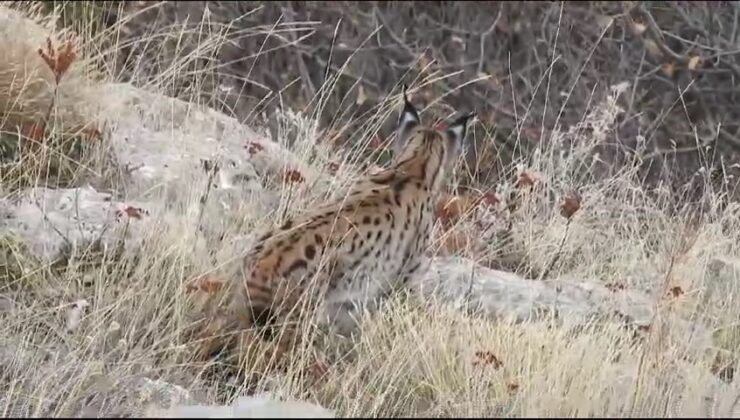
[(51, 222), (255, 406), (505, 295)]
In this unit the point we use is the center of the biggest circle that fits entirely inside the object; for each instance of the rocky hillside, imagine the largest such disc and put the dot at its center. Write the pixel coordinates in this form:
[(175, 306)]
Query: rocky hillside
[(123, 202)]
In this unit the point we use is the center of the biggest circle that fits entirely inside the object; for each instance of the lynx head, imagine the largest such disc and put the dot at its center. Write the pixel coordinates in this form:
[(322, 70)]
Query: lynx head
[(434, 150)]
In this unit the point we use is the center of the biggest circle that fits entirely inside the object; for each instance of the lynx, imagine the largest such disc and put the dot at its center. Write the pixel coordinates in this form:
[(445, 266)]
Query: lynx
[(361, 247)]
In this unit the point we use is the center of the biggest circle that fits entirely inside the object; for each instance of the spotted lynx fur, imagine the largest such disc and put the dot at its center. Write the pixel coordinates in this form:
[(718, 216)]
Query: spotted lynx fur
[(359, 247)]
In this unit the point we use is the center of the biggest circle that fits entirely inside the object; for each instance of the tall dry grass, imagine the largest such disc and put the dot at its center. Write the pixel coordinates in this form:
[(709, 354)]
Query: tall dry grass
[(412, 358)]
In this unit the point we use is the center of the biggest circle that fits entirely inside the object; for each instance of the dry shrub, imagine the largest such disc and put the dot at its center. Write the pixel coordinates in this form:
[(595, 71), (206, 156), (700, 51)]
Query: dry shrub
[(541, 66)]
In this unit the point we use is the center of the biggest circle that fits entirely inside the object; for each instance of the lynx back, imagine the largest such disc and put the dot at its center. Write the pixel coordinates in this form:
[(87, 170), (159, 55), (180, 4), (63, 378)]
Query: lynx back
[(358, 248)]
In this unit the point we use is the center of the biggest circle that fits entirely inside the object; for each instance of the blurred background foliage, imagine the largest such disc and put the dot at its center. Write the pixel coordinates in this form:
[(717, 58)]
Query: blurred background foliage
[(524, 67)]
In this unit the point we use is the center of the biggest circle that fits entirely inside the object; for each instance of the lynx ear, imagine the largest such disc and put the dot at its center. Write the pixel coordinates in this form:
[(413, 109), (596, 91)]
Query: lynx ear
[(457, 129), (408, 119), (455, 134)]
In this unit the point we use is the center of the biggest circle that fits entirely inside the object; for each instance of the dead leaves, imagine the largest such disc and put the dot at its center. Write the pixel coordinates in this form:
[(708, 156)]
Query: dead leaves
[(253, 148), (450, 210), (131, 212), (675, 292), (570, 205), (487, 358), (59, 58), (293, 175), (484, 359), (205, 284), (33, 131), (528, 179), (615, 286)]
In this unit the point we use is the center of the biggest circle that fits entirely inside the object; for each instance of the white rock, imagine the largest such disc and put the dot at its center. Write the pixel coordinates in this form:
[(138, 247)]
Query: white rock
[(164, 142), (162, 393), (257, 406), (50, 222), (506, 295)]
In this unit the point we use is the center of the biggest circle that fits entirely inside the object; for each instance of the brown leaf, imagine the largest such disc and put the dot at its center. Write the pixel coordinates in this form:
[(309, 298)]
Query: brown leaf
[(59, 59), (491, 198), (131, 212), (450, 208), (487, 358), (455, 241), (570, 205), (527, 179), (512, 387), (294, 176), (253, 148), (33, 131), (676, 291), (205, 284), (65, 58), (444, 211), (614, 287)]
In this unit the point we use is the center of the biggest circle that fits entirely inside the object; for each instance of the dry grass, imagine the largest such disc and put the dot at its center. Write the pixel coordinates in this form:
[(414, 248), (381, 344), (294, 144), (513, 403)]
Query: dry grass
[(413, 358)]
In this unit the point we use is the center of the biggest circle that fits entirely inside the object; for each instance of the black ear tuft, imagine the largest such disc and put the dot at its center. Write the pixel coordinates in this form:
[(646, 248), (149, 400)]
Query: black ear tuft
[(409, 112), (457, 129), (408, 119)]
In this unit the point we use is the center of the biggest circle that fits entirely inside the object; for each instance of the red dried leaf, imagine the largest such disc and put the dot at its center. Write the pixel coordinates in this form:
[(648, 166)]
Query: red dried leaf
[(570, 205), (487, 358), (527, 179), (614, 287), (48, 55), (490, 199), (59, 59), (444, 210), (33, 131), (676, 291), (131, 212), (253, 148), (205, 284), (65, 58), (454, 242), (294, 176), (449, 208)]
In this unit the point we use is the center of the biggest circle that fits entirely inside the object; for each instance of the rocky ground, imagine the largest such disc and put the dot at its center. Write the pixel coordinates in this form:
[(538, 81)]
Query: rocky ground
[(174, 173)]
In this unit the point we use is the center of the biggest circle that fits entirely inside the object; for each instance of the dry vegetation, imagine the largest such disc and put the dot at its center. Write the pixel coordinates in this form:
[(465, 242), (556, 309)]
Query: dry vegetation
[(560, 212)]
